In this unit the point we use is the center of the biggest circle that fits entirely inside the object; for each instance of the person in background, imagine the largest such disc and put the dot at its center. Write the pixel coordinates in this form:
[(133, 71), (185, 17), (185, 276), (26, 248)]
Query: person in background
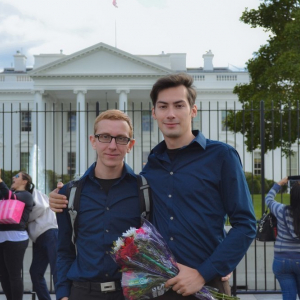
[(286, 263), (14, 238), (42, 229)]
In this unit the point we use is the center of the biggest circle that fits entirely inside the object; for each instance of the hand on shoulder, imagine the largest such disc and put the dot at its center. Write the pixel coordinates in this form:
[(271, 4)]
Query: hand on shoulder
[(57, 202)]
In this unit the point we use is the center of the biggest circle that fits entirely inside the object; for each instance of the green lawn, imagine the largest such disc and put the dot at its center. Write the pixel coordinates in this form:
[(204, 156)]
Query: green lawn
[(282, 198), (257, 202)]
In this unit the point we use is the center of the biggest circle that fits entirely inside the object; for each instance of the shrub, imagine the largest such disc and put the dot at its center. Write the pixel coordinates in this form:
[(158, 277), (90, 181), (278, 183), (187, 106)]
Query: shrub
[(254, 183)]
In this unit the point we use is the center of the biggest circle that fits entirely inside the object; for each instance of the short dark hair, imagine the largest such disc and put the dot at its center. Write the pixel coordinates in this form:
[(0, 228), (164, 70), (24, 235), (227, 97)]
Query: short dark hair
[(174, 80)]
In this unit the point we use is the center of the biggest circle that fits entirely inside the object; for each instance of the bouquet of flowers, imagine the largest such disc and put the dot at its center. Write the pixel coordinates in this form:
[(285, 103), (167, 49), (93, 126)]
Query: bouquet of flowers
[(146, 263)]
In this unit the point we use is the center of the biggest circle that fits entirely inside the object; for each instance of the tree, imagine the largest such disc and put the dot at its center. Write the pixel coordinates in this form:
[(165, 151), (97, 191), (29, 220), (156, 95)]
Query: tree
[(275, 78)]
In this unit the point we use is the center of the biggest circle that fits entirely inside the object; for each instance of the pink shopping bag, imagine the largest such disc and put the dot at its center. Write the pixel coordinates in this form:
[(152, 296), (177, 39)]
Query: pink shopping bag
[(11, 210)]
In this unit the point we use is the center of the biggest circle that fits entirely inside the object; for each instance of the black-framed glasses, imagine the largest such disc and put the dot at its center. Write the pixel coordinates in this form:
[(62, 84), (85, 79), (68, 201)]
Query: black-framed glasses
[(106, 138)]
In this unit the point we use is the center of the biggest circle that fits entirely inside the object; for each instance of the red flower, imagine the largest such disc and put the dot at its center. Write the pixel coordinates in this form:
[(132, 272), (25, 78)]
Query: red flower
[(140, 230), (128, 240), (129, 250)]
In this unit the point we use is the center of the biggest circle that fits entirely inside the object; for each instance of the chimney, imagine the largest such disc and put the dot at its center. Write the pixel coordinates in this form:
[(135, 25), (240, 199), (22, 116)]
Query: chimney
[(208, 58), (20, 62)]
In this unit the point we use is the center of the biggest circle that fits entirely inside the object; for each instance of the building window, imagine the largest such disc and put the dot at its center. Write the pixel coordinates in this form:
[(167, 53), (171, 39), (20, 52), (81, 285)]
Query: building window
[(257, 163), (25, 120), (71, 121), (147, 122), (292, 164), (224, 114), (25, 161), (71, 163)]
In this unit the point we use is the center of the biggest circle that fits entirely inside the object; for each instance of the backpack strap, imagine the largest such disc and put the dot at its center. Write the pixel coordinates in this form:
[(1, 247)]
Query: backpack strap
[(73, 194), (144, 196)]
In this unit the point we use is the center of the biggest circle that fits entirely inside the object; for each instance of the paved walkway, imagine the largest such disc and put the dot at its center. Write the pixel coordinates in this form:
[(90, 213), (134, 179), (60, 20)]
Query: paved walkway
[(242, 297), (260, 297)]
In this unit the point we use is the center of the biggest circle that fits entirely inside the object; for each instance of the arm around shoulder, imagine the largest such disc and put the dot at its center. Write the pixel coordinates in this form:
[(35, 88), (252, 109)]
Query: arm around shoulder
[(66, 255), (57, 201)]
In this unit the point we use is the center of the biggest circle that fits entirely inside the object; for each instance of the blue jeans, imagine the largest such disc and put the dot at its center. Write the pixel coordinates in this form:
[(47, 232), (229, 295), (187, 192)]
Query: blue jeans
[(44, 253), (287, 272)]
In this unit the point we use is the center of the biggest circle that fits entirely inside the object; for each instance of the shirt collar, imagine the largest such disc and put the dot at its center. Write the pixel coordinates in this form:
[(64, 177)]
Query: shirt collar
[(127, 171), (199, 139)]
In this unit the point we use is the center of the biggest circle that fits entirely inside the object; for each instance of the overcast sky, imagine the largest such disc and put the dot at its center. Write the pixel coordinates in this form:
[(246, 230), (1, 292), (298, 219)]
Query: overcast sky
[(136, 26)]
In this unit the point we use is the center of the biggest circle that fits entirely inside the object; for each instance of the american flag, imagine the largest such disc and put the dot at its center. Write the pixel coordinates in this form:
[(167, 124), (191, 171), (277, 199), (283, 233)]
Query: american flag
[(115, 3)]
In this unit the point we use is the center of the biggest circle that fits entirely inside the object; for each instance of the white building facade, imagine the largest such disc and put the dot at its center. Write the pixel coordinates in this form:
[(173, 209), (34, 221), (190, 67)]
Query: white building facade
[(47, 112)]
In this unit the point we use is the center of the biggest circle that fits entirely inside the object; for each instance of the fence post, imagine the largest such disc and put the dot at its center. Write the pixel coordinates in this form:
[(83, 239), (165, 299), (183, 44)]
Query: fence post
[(234, 288), (262, 153)]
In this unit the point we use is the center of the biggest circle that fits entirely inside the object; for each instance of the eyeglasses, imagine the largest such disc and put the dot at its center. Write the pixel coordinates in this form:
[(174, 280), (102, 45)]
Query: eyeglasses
[(105, 138)]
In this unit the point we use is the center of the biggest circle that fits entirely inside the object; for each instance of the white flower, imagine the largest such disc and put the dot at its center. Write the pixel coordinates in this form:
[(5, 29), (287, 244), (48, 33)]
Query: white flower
[(118, 244), (130, 232)]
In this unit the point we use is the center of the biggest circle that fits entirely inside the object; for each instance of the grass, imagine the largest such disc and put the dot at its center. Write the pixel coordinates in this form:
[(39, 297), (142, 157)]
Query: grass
[(257, 202)]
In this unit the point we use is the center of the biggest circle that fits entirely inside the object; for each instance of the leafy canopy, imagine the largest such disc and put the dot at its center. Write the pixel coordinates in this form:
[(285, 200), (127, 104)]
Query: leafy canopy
[(275, 78)]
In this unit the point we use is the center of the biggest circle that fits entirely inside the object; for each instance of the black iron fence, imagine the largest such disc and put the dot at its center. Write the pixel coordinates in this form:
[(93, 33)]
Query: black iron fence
[(46, 143)]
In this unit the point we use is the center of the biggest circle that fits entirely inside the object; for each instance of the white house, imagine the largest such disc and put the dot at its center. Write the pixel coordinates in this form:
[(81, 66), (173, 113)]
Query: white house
[(47, 112)]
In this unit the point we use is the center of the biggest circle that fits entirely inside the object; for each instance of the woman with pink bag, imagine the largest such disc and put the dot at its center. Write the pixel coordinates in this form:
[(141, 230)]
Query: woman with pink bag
[(14, 237)]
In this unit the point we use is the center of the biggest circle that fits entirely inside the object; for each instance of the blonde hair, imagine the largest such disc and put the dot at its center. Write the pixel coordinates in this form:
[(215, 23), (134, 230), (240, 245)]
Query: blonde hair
[(114, 114)]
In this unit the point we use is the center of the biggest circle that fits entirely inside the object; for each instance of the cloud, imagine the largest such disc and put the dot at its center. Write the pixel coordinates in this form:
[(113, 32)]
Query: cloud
[(136, 26), (154, 3)]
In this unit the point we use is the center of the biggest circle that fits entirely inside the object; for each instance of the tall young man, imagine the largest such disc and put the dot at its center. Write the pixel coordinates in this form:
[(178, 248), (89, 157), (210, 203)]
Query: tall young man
[(109, 205), (196, 183)]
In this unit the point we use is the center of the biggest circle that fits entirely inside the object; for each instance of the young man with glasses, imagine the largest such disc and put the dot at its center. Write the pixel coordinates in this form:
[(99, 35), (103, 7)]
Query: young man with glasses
[(109, 205)]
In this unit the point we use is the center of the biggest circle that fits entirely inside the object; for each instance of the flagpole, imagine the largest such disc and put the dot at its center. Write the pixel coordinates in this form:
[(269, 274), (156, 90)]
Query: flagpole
[(115, 33)]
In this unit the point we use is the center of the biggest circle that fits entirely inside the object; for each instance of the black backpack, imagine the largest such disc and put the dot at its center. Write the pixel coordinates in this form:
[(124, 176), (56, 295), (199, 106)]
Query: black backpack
[(74, 190)]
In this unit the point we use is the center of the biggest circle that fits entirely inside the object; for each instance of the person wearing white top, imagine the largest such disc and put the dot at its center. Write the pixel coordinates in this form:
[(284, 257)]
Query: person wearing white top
[(43, 231)]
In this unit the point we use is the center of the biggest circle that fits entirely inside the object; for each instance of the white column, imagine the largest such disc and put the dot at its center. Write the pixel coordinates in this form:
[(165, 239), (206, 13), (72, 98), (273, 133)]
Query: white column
[(123, 107), (38, 154), (123, 99), (81, 133)]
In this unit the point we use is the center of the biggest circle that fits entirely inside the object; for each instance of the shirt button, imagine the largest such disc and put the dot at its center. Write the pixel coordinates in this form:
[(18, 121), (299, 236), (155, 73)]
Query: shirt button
[(171, 218), (170, 196), (171, 239), (171, 173), (106, 275), (107, 230), (107, 208), (106, 252)]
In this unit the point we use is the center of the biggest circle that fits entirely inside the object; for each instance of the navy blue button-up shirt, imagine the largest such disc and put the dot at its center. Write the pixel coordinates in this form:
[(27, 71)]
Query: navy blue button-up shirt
[(101, 220), (192, 195)]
